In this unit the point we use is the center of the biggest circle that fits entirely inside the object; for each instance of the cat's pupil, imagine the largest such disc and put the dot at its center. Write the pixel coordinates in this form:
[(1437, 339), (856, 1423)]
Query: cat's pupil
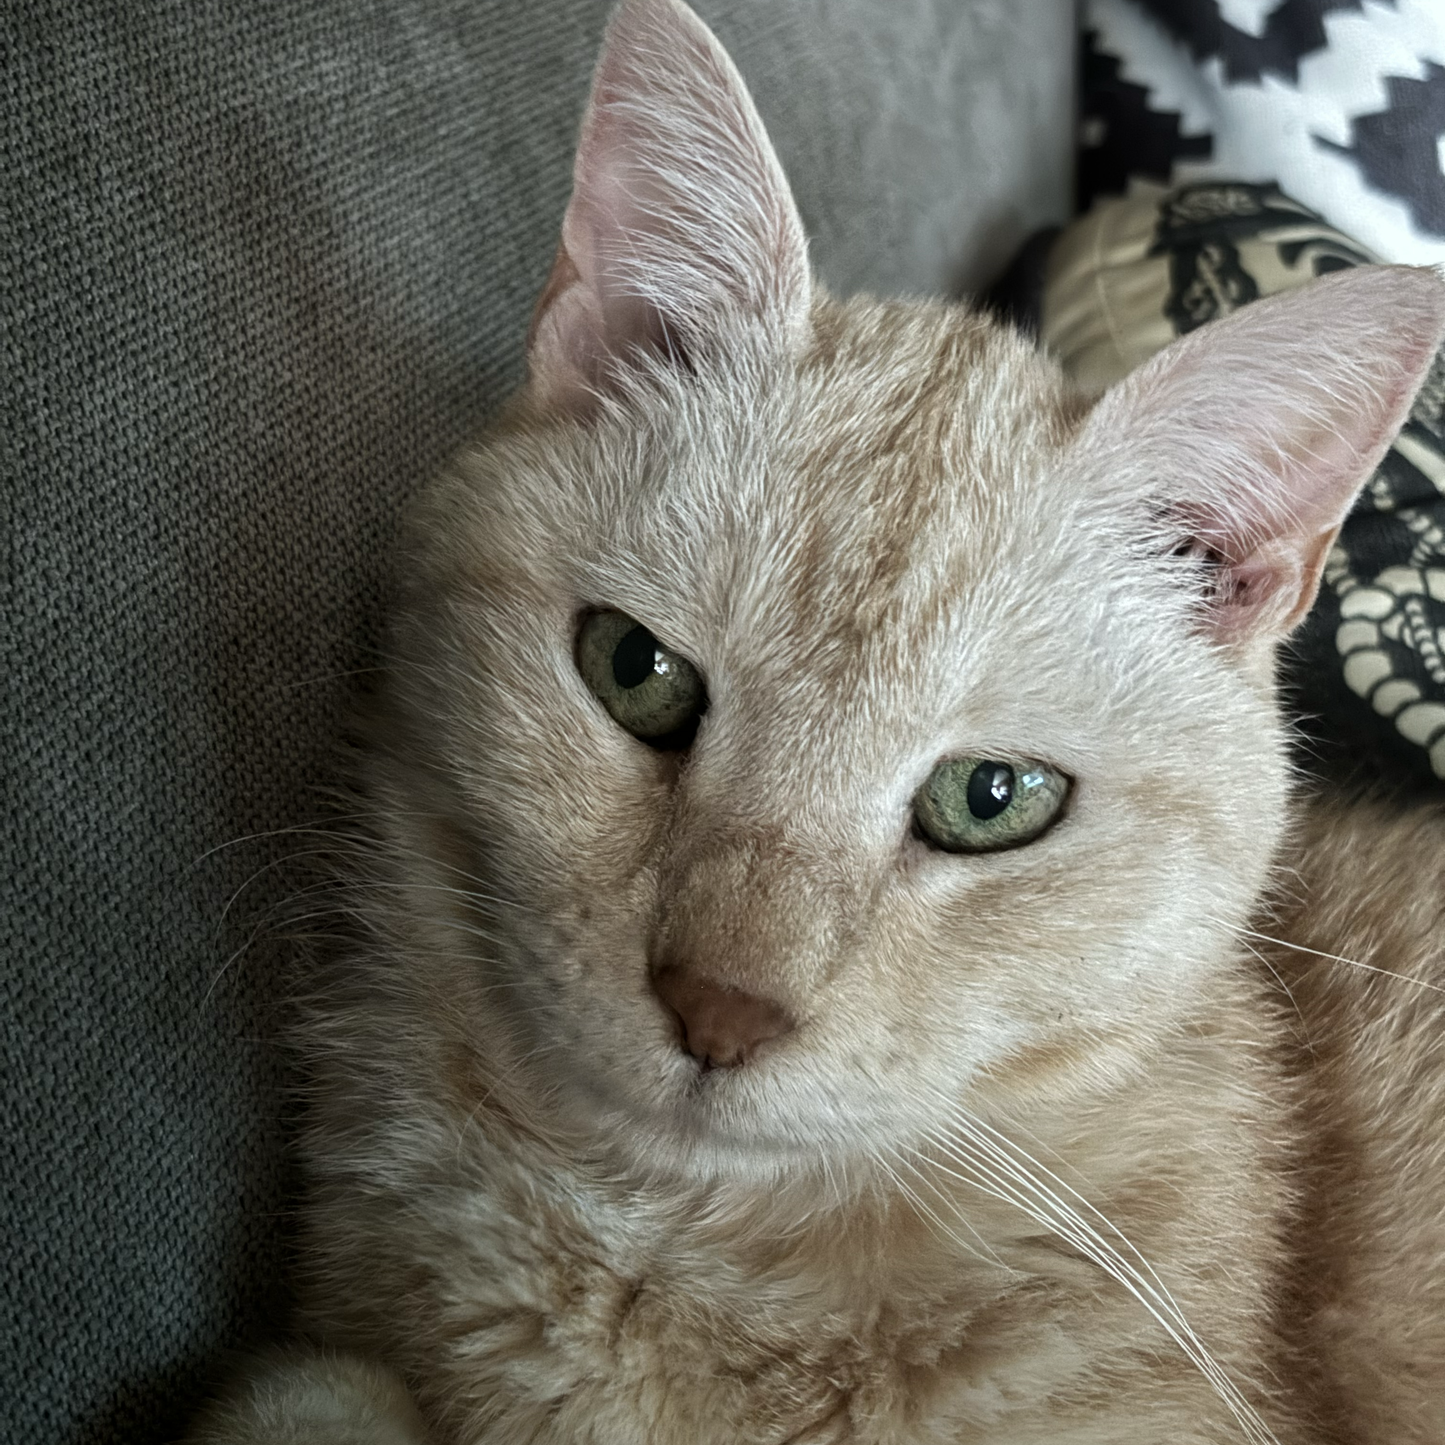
[(635, 658), (990, 790)]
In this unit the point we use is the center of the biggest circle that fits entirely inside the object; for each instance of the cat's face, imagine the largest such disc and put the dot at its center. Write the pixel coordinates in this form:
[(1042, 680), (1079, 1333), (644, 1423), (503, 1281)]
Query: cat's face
[(886, 537), (875, 566)]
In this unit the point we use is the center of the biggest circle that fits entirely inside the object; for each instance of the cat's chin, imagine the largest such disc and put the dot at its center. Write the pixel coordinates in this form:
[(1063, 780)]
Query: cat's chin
[(753, 1128), (730, 1157)]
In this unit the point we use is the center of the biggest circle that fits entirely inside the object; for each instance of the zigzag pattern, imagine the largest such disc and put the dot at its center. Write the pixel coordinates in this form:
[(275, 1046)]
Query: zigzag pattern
[(1293, 30)]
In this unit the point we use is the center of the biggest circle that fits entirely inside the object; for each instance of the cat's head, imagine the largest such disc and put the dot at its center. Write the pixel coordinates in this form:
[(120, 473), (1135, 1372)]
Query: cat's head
[(810, 716)]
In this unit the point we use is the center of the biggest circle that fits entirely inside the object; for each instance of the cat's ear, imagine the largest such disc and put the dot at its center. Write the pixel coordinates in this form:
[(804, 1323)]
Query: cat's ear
[(1256, 431), (681, 221)]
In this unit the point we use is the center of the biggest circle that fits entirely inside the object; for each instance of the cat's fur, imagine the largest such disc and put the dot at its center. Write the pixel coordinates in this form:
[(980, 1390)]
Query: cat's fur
[(1061, 1148)]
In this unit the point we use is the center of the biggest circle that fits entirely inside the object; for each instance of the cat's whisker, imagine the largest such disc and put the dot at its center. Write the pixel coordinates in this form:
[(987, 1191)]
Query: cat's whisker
[(315, 827), (1288, 993), (480, 900), (331, 827), (337, 842), (257, 932), (261, 872), (1088, 1243), (998, 1186), (324, 677), (912, 1196), (1340, 958), (995, 1166), (1000, 1147), (507, 1066), (284, 913), (985, 1251), (426, 860)]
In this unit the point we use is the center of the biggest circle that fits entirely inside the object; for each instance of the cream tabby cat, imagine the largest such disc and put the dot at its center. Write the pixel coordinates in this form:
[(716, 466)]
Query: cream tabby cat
[(829, 825)]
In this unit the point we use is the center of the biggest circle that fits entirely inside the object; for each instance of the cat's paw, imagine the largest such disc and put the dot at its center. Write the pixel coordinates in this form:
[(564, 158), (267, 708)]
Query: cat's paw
[(312, 1399)]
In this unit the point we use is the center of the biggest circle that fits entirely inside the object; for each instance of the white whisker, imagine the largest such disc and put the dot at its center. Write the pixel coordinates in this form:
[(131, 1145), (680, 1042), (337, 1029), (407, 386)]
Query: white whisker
[(1000, 1169), (1340, 958)]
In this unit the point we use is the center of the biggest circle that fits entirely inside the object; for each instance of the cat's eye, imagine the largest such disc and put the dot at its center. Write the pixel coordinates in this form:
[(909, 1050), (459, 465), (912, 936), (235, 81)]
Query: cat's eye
[(981, 805), (653, 692)]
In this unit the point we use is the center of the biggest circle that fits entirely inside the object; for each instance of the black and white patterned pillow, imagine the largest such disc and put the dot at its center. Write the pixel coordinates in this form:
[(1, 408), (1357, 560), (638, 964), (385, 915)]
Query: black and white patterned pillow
[(1339, 102), (1367, 669)]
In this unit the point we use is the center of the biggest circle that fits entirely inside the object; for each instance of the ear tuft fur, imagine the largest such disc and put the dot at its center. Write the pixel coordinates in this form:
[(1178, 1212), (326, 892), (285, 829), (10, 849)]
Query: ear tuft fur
[(681, 222), (1256, 432)]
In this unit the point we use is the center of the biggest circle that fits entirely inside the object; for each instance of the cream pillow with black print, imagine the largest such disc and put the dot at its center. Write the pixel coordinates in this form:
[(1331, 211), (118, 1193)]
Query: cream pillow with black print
[(1367, 671)]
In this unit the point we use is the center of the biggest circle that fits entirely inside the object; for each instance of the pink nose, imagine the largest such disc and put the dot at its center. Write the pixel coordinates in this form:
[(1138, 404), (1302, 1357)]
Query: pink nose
[(720, 1026)]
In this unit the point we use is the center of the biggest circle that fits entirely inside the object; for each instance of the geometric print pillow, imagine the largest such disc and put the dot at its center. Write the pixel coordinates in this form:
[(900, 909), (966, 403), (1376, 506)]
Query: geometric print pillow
[(1341, 103), (1365, 674)]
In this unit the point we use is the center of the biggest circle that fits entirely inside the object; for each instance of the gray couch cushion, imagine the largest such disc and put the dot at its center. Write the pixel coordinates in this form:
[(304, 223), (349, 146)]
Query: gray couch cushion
[(268, 262)]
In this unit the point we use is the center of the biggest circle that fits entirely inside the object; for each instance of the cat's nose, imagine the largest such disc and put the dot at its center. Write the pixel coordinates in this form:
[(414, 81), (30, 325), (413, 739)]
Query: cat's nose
[(721, 1026)]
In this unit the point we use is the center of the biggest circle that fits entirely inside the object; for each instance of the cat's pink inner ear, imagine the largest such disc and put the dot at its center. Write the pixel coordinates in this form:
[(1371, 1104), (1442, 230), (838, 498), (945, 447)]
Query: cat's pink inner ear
[(681, 222), (1255, 433)]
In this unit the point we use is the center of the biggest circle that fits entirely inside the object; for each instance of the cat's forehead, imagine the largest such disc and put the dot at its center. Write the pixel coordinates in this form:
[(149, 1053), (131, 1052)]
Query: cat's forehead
[(904, 467)]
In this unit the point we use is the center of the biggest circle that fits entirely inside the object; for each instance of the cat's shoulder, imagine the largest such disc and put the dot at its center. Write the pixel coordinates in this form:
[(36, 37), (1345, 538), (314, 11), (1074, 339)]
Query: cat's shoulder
[(1365, 872)]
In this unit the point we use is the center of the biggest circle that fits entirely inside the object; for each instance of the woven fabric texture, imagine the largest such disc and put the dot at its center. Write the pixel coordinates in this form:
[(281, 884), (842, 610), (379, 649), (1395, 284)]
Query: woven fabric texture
[(265, 264)]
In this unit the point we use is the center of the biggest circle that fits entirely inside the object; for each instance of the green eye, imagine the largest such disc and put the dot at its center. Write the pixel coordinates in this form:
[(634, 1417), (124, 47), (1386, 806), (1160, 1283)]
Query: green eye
[(981, 805), (649, 690)]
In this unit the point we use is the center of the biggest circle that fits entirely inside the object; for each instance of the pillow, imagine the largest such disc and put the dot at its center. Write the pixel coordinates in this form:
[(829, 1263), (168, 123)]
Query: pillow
[(1341, 103)]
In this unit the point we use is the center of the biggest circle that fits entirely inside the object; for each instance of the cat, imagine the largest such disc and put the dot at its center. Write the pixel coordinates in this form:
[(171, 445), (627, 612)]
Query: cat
[(840, 953)]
